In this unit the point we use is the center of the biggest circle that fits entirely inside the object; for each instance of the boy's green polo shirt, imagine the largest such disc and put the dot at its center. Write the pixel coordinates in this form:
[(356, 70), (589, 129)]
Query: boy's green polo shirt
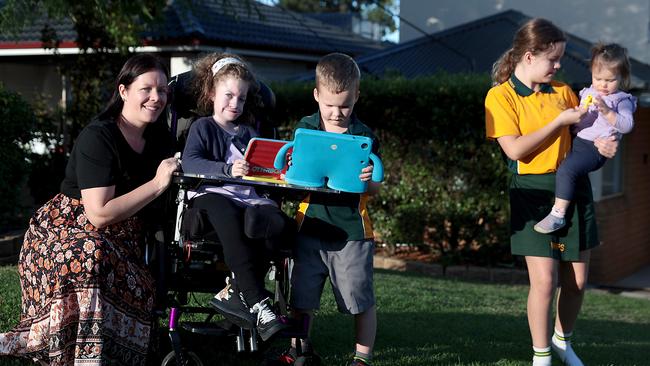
[(341, 217)]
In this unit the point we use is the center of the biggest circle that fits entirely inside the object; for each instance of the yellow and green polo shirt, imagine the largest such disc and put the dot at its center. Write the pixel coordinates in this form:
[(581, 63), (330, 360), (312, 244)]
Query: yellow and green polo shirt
[(512, 108), (336, 217)]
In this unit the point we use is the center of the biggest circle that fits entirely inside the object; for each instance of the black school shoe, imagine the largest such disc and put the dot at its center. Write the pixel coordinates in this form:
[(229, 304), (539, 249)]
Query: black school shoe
[(229, 303), (267, 321)]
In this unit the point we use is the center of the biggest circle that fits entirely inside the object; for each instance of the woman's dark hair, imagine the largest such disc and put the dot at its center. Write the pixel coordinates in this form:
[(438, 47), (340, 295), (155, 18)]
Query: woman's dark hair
[(133, 67)]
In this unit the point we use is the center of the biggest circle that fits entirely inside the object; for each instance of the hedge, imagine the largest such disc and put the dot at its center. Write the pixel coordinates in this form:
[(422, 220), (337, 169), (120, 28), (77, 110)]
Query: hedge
[(445, 184), (16, 123)]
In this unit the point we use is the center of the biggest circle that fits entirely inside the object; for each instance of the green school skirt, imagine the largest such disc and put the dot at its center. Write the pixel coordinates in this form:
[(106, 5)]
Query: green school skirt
[(531, 199)]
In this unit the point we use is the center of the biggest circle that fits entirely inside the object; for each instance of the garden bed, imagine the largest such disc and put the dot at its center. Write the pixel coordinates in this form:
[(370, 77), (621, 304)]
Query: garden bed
[(412, 259)]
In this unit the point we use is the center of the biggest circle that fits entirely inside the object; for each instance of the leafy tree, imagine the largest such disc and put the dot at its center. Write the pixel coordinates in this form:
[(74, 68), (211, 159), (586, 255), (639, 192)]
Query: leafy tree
[(101, 25), (105, 30), (373, 10)]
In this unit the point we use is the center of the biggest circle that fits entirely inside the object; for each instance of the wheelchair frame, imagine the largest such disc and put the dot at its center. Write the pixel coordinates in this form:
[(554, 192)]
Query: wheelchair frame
[(192, 259), (187, 266)]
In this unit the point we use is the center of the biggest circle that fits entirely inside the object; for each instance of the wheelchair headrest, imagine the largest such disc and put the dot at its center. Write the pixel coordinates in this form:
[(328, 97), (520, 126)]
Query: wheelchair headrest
[(183, 98), (267, 96)]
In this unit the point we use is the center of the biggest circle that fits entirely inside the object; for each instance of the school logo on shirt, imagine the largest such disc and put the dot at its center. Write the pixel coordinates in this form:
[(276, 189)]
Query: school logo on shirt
[(561, 105)]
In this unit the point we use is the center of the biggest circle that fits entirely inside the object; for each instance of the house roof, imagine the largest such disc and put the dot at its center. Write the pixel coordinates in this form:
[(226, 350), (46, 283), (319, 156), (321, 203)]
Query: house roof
[(341, 20), (234, 24), (473, 47)]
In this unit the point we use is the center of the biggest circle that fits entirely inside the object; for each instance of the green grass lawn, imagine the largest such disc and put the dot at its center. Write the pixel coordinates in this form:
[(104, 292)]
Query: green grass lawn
[(432, 321)]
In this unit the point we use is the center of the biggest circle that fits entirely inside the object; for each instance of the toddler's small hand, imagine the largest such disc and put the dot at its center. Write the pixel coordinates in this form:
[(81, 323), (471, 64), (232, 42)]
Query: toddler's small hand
[(600, 105)]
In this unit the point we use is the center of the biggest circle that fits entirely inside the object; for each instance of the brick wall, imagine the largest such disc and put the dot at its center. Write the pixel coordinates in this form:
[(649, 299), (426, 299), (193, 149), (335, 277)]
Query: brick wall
[(624, 221)]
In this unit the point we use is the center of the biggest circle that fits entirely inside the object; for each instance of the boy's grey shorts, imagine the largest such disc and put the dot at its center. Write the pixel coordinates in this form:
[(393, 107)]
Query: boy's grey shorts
[(349, 266)]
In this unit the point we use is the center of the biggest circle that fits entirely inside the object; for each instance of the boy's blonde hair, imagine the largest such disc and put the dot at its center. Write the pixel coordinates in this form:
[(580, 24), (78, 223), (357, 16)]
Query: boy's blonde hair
[(612, 56), (205, 81), (337, 72)]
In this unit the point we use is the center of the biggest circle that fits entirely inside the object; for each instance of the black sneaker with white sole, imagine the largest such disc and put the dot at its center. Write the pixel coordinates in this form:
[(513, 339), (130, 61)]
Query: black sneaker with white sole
[(229, 303), (267, 321)]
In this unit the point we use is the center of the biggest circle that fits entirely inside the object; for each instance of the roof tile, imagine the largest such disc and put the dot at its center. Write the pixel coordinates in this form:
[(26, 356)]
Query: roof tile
[(473, 48), (233, 23)]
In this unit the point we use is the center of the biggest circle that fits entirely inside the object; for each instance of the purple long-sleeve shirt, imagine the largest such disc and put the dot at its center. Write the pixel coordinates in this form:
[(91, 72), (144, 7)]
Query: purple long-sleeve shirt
[(594, 125)]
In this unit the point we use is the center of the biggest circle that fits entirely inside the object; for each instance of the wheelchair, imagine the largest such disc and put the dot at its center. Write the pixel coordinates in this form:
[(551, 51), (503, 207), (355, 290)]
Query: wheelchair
[(189, 258)]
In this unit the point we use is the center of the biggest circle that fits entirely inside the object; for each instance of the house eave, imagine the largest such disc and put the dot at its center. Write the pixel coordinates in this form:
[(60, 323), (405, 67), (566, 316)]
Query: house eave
[(11, 49)]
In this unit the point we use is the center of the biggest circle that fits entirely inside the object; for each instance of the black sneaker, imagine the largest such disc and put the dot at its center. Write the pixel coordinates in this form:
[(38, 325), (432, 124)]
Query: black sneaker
[(229, 303), (268, 323)]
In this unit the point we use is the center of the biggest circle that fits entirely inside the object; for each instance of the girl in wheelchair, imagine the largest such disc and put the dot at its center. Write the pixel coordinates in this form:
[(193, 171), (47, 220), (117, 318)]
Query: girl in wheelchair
[(249, 226)]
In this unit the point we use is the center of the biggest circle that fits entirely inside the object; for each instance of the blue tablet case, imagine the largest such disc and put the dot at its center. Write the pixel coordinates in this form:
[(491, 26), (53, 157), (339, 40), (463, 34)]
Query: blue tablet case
[(335, 159)]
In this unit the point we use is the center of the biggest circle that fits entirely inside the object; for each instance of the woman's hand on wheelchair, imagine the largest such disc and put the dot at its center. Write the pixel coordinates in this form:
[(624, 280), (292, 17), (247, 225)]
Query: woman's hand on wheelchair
[(164, 173)]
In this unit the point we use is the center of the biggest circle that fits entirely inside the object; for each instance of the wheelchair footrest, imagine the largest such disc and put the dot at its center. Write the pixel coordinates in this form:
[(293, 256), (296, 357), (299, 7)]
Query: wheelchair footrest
[(296, 329), (218, 329)]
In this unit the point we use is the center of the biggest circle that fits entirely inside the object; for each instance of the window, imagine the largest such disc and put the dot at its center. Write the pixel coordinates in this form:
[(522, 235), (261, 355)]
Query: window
[(608, 181)]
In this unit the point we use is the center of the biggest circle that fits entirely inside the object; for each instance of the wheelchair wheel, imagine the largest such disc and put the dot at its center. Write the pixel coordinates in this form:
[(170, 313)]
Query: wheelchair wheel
[(191, 359)]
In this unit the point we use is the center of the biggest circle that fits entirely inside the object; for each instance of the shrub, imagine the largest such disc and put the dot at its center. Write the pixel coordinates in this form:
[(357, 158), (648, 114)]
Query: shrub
[(445, 184), (16, 123), (47, 167)]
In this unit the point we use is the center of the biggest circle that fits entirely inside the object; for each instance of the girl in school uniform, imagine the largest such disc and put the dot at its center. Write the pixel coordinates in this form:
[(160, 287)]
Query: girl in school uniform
[(529, 114)]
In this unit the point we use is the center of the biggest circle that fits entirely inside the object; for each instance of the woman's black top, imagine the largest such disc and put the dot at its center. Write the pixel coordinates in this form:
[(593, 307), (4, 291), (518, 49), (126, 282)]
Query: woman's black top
[(101, 157)]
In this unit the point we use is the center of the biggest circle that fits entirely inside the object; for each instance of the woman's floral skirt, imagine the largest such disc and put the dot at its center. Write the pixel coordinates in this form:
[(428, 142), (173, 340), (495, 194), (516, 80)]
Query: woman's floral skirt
[(87, 297)]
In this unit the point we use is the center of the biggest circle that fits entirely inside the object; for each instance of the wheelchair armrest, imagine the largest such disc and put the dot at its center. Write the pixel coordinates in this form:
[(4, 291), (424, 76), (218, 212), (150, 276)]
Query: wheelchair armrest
[(185, 181)]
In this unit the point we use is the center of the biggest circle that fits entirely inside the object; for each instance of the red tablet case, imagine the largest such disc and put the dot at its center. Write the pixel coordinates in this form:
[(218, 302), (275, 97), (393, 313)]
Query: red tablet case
[(260, 154)]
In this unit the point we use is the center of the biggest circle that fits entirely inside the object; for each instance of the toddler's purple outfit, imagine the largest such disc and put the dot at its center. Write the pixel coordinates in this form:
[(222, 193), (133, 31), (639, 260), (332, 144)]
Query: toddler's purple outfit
[(593, 125), (584, 156)]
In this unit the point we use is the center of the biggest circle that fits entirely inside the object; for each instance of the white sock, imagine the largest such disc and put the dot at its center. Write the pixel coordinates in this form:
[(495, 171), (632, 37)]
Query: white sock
[(561, 343), (542, 356), (558, 212)]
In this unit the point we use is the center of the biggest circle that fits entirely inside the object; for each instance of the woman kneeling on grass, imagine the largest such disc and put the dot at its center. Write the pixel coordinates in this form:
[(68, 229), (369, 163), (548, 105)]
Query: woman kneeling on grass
[(87, 297)]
